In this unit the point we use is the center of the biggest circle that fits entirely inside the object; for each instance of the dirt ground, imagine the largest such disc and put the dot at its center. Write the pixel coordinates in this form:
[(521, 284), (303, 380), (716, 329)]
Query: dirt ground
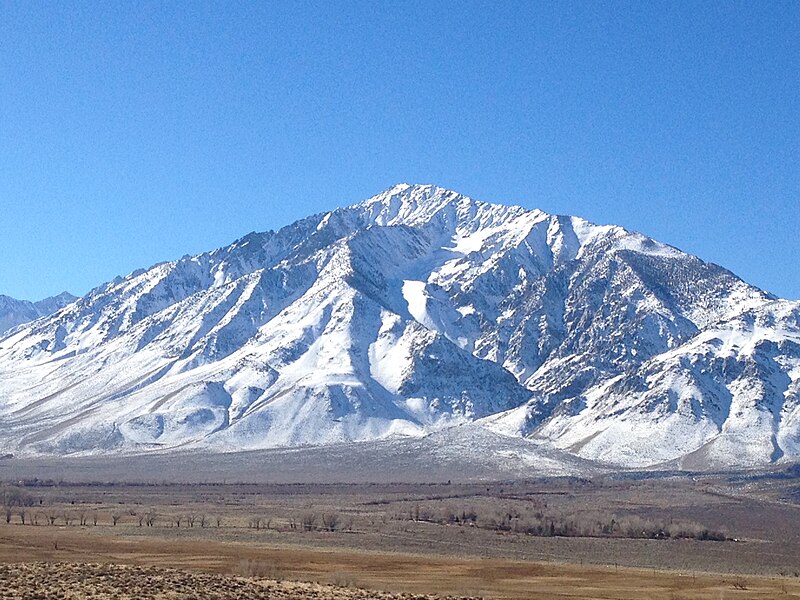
[(206, 567), (122, 582)]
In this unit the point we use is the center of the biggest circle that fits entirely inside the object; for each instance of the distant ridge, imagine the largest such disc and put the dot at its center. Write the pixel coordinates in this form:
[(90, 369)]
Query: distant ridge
[(15, 312)]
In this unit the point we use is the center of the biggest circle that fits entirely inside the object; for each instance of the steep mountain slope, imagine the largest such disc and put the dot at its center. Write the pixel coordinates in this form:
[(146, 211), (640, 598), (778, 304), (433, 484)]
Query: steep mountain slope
[(728, 397), (413, 311), (15, 312)]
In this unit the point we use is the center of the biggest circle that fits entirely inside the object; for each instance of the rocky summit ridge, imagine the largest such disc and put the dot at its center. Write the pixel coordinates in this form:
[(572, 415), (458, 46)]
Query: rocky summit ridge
[(416, 311)]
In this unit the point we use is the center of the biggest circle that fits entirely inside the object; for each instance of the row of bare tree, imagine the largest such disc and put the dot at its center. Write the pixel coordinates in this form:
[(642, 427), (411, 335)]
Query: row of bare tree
[(28, 516), (586, 524), (330, 521), (19, 503), (54, 516)]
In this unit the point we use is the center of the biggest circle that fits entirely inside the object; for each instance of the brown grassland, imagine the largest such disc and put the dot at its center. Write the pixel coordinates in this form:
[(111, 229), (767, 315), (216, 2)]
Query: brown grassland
[(675, 537)]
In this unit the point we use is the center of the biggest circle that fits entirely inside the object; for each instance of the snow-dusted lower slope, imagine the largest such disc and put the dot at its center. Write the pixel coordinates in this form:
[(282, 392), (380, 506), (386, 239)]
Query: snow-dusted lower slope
[(414, 311)]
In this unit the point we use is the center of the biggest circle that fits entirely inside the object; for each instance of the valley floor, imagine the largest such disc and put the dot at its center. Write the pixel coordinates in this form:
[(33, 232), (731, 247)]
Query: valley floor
[(151, 568), (603, 538)]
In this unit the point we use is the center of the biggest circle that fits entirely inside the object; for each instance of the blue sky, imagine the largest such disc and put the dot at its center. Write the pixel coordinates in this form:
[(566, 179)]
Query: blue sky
[(136, 132)]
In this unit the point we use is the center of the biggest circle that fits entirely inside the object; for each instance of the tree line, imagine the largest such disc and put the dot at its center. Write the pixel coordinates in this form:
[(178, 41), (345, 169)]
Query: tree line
[(537, 522)]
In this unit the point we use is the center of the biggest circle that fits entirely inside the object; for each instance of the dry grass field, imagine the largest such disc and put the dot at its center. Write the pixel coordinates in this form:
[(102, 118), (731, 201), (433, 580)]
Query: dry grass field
[(195, 570), (614, 538)]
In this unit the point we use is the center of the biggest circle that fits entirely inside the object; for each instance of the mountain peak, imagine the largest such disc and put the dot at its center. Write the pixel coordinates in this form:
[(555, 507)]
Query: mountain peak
[(409, 204), (415, 310), (418, 205)]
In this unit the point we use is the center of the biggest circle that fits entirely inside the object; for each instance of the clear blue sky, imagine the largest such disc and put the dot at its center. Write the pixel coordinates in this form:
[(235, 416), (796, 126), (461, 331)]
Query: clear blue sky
[(136, 132)]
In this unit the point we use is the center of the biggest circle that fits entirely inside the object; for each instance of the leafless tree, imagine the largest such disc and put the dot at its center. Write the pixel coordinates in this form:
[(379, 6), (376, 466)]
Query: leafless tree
[(330, 521), (309, 522), (13, 496), (115, 517)]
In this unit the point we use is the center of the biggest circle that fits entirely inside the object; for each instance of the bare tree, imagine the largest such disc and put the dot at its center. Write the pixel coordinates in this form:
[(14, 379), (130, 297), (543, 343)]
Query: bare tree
[(115, 517), (13, 496), (309, 521), (330, 521), (259, 523)]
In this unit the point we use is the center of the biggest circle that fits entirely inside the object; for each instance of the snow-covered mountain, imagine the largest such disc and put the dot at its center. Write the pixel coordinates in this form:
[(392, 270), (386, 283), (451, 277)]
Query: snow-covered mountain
[(15, 312), (417, 310)]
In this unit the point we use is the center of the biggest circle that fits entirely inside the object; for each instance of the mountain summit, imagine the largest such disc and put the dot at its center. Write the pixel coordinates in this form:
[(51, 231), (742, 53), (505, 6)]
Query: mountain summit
[(417, 310)]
